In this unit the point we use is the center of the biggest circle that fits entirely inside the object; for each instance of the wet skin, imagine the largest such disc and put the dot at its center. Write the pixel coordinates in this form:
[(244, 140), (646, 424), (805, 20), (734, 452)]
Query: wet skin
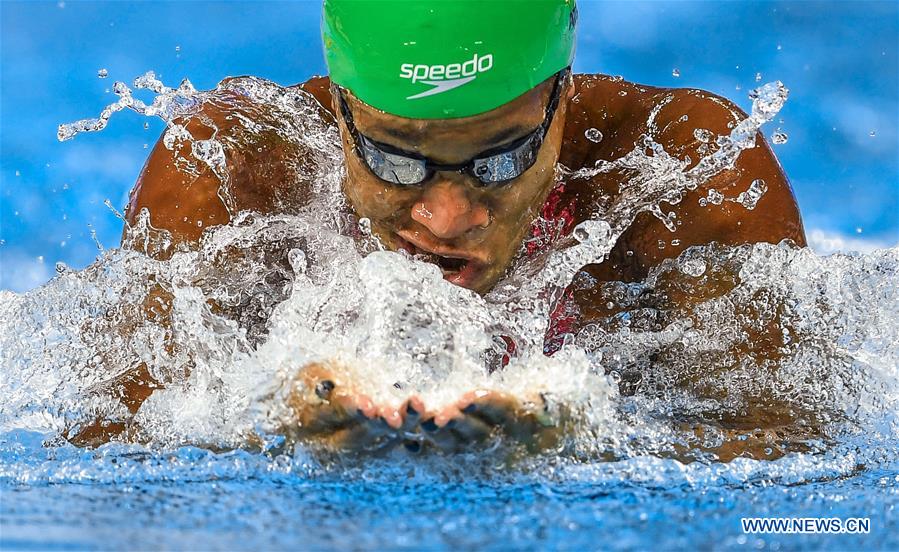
[(453, 216)]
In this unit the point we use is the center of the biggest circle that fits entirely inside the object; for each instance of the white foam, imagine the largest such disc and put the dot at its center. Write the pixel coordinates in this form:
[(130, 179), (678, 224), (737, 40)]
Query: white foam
[(294, 289)]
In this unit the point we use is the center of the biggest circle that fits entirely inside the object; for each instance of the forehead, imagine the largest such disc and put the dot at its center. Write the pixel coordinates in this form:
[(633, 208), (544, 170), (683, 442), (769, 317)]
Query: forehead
[(454, 140)]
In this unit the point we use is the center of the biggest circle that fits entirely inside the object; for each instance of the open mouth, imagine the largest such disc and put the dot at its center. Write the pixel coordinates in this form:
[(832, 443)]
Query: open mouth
[(448, 265), (458, 267)]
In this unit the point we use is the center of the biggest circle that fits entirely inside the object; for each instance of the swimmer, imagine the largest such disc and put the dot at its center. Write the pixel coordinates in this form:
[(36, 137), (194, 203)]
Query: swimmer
[(454, 118)]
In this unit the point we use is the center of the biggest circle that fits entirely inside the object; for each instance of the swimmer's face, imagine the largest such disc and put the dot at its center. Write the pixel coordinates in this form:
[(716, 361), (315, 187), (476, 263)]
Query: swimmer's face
[(470, 230)]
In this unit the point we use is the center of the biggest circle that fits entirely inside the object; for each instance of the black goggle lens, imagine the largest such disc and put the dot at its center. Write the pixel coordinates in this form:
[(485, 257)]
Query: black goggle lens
[(509, 164), (392, 167)]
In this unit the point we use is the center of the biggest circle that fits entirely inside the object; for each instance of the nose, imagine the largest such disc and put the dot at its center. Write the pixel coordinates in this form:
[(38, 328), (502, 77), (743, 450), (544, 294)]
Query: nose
[(446, 210)]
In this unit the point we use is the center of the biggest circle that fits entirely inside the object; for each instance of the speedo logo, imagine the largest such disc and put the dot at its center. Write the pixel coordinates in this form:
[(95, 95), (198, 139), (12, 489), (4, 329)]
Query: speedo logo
[(445, 77)]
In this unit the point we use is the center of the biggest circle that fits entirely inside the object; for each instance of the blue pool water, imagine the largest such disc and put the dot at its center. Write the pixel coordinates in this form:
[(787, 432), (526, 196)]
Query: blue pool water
[(613, 485), (839, 60), (194, 499)]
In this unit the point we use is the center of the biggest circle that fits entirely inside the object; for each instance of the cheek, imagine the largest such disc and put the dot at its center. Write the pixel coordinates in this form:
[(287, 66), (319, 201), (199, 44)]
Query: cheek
[(371, 198), (521, 204)]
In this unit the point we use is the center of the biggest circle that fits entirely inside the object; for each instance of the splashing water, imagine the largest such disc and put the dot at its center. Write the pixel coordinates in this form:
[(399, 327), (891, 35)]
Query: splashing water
[(642, 383)]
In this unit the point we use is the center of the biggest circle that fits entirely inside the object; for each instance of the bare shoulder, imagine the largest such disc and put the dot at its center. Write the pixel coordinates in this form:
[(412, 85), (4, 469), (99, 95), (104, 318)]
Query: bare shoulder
[(685, 117), (619, 113), (231, 154), (686, 123)]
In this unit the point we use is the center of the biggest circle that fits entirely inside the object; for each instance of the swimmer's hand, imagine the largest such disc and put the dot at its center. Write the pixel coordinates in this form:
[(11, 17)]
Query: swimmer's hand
[(329, 410), (480, 414)]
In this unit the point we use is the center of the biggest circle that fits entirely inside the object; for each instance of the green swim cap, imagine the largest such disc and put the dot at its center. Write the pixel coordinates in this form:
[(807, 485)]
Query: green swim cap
[(441, 59)]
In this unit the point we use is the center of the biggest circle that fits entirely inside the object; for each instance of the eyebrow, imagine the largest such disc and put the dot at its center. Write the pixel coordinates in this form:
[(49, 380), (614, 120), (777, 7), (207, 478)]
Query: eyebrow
[(401, 134), (497, 139), (507, 134)]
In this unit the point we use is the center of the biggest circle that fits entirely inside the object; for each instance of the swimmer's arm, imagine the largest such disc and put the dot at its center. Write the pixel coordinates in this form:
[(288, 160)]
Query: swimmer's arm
[(648, 242), (131, 389), (180, 194), (184, 196), (133, 386), (775, 217)]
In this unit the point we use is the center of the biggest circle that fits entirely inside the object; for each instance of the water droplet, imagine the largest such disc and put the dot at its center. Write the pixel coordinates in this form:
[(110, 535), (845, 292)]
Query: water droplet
[(629, 253), (146, 146), (703, 135), (661, 244), (675, 243), (146, 126), (703, 202), (779, 47), (18, 173), (178, 48), (858, 230), (102, 73), (675, 72), (872, 134), (593, 134), (714, 196), (61, 267), (65, 186), (365, 226), (768, 99), (581, 234), (199, 224), (40, 259), (758, 77), (779, 138), (692, 266), (750, 198), (297, 260), (623, 93)]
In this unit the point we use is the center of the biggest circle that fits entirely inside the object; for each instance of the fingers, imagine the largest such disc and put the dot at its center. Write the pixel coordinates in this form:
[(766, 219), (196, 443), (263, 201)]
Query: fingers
[(349, 420), (412, 409), (470, 429), (493, 407), (444, 416), (392, 416), (459, 425)]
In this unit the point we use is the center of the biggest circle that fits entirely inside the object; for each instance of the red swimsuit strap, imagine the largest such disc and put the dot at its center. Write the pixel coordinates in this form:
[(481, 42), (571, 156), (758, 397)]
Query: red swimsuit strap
[(556, 221)]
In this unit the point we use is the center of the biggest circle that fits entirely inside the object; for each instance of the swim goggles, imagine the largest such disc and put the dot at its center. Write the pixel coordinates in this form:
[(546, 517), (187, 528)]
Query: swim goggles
[(492, 167)]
